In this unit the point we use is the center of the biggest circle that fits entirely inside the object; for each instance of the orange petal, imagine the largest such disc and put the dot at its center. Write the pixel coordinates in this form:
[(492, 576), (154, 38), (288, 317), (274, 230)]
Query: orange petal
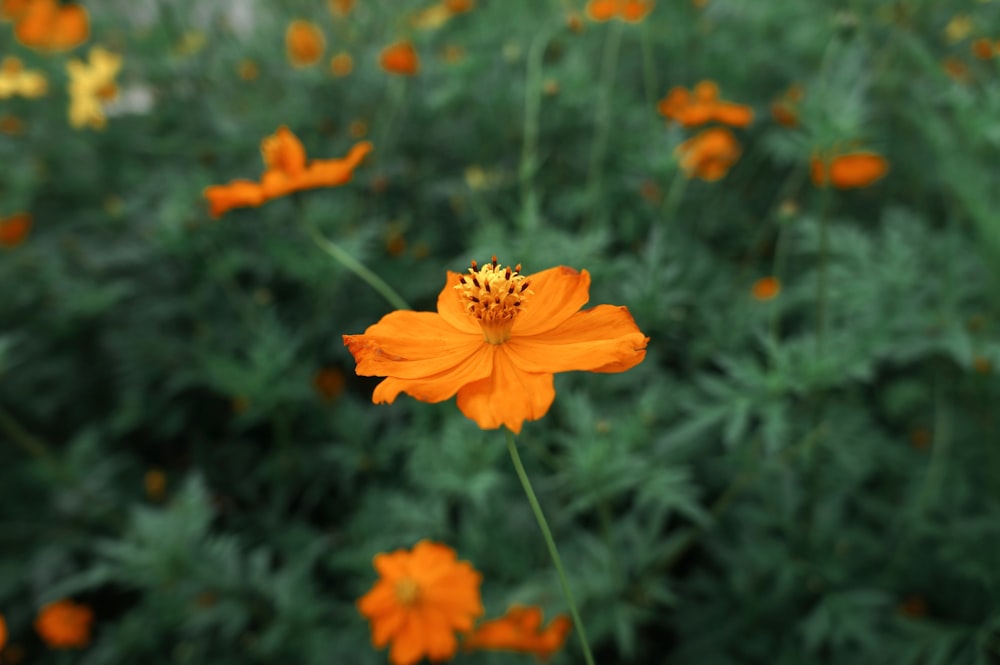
[(48, 26), (380, 600), (449, 306), (601, 10), (304, 43), (508, 396), (706, 91), (677, 99), (441, 385), (817, 171), (559, 293), (857, 169), (409, 645), (697, 113), (284, 152), (334, 172), (603, 338), (237, 194), (400, 58), (734, 115), (386, 626), (634, 11)]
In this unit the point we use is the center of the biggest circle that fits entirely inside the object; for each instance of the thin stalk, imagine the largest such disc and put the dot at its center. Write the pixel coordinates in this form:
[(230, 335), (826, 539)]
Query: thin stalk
[(821, 274), (648, 67), (609, 63), (551, 544), (675, 194), (532, 113), (337, 253)]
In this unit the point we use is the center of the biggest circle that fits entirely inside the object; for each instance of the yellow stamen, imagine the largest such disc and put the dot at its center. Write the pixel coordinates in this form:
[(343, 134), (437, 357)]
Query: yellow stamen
[(407, 591), (494, 295)]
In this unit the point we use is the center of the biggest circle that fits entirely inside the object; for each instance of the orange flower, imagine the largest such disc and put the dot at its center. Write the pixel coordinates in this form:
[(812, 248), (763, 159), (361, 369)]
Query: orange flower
[(496, 340), (421, 600), (982, 48), (956, 69), (520, 630), (47, 25), (710, 154), (848, 171), (341, 65), (329, 383), (65, 624), (3, 632), (286, 172), (766, 288), (459, 6), (703, 105), (785, 110), (341, 7), (14, 229), (155, 483), (400, 58), (304, 43), (632, 11), (12, 10)]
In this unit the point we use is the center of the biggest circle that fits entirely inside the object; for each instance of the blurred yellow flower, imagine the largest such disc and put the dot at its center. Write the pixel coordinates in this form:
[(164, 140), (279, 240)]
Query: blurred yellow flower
[(91, 86), (958, 28), (16, 80)]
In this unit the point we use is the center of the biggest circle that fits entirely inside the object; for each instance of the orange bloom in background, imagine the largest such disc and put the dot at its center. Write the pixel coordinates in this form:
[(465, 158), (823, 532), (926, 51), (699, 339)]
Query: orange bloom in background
[(520, 630), (496, 341), (329, 383), (47, 25), (982, 48), (785, 110), (155, 483), (710, 154), (341, 65), (65, 624), (248, 70), (3, 632), (286, 172), (423, 597), (400, 58), (848, 171), (304, 43), (766, 288), (632, 11), (459, 6), (341, 7), (14, 229), (702, 105), (12, 10)]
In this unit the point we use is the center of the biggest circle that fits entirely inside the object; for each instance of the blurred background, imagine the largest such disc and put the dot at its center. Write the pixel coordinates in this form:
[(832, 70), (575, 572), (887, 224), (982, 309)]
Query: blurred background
[(797, 200)]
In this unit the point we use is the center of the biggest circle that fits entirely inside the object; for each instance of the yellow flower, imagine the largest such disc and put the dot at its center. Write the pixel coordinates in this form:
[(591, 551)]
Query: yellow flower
[(16, 80), (91, 86)]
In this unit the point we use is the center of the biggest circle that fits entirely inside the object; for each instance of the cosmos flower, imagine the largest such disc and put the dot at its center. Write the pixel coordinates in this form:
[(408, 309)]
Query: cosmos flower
[(496, 341), (848, 171), (14, 229), (400, 58), (47, 25), (702, 105), (710, 154), (766, 288), (423, 597), (304, 43), (286, 171), (631, 11), (520, 630), (91, 86)]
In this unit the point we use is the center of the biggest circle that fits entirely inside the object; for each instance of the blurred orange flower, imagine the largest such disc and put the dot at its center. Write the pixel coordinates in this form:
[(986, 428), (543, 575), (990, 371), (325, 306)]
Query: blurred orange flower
[(848, 171), (341, 65), (248, 70), (459, 6), (3, 632), (422, 598), (47, 25), (710, 154), (982, 48), (400, 58), (12, 10), (496, 341), (155, 484), (520, 630), (65, 624), (304, 43), (632, 11), (341, 7), (14, 229), (286, 171), (785, 110), (766, 288), (702, 105), (329, 383)]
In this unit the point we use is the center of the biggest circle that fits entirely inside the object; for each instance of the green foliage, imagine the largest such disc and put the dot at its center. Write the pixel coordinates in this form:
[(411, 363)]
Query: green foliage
[(806, 479)]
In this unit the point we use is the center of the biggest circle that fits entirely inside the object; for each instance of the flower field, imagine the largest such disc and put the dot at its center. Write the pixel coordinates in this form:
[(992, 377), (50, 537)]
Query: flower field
[(574, 331)]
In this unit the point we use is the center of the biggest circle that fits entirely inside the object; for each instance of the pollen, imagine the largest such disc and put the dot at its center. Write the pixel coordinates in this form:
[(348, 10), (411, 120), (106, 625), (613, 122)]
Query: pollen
[(494, 296), (407, 592)]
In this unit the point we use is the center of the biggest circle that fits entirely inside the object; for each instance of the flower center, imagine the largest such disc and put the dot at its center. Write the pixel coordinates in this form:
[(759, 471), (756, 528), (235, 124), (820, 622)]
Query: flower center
[(493, 295), (107, 92), (407, 591)]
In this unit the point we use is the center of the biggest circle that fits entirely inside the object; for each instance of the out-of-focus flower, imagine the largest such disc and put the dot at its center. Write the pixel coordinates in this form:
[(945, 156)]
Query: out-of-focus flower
[(14, 229), (16, 80), (341, 65), (574, 22), (423, 597), (710, 154), (341, 8), (982, 365), (956, 69), (358, 129), (304, 43), (631, 11), (190, 43), (65, 624), (12, 10), (702, 105), (3, 632), (848, 171), (459, 6), (982, 48), (11, 125), (92, 86), (785, 110), (496, 341), (766, 288), (400, 58), (155, 483), (286, 171), (329, 383), (432, 17), (453, 54), (958, 28), (520, 630), (47, 25), (248, 70)]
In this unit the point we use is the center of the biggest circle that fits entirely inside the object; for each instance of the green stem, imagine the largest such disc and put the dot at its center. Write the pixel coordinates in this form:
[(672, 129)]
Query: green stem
[(648, 68), (532, 112), (609, 63), (675, 194), (551, 544), (338, 254), (821, 275)]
